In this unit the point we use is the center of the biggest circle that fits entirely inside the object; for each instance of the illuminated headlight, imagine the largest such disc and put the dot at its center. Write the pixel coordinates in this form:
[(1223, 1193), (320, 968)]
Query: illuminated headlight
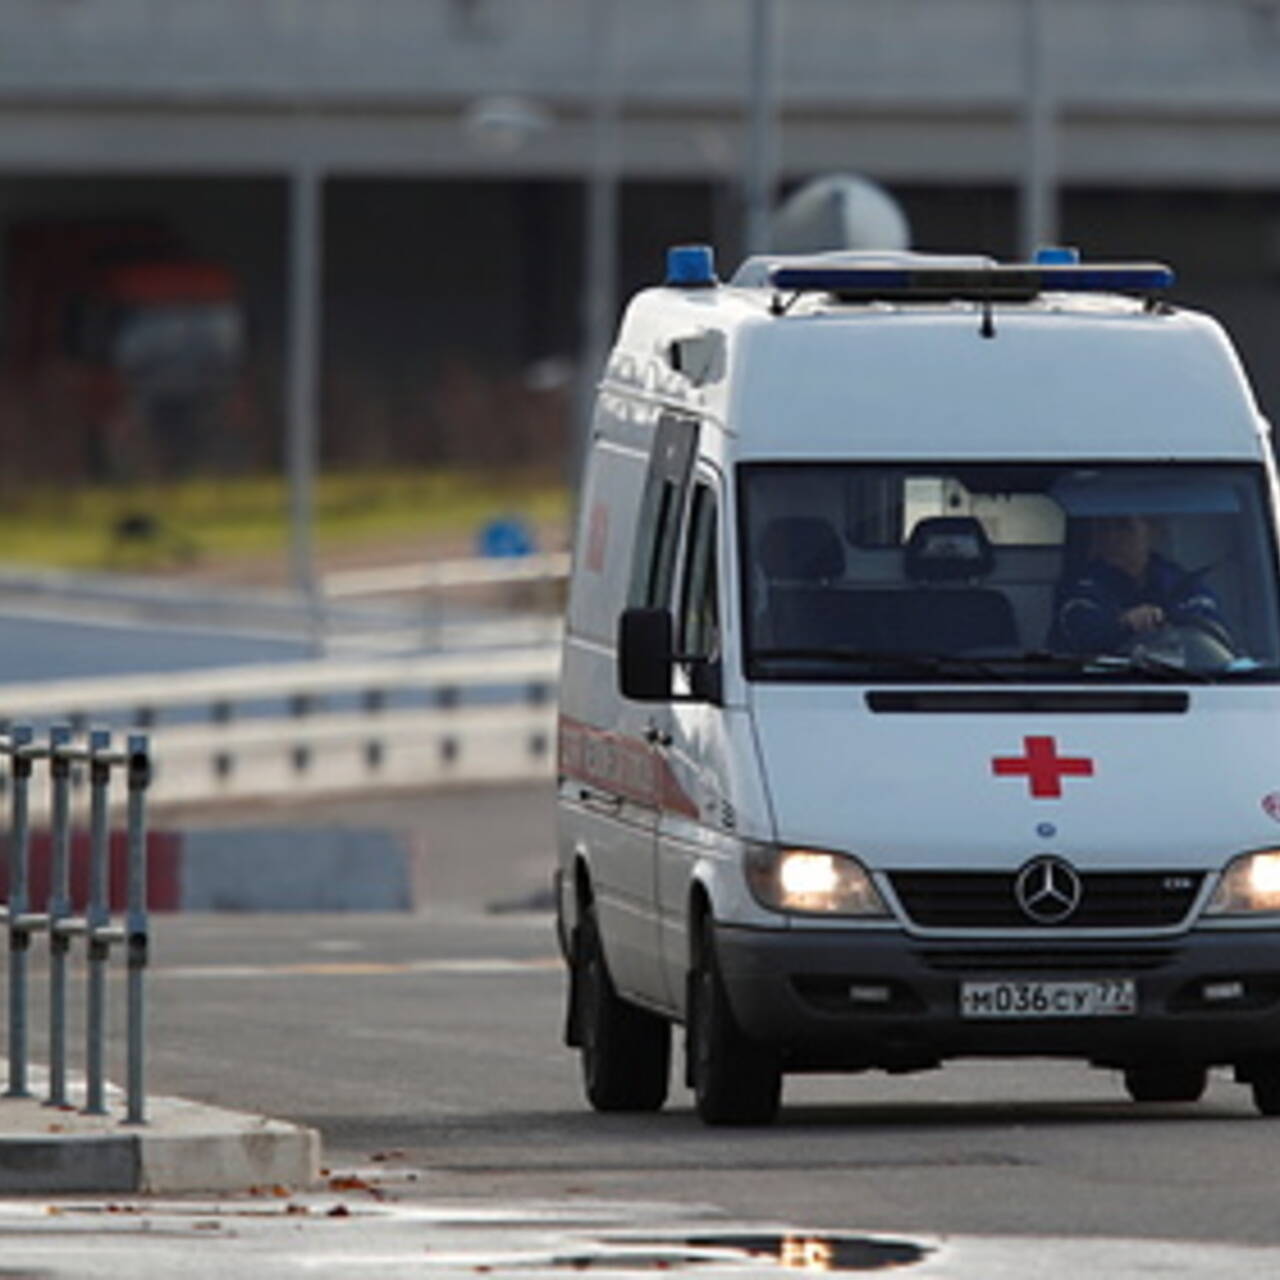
[(812, 881), (1250, 883)]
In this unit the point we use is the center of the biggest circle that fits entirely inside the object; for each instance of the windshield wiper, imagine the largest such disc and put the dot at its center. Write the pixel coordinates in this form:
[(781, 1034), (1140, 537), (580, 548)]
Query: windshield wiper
[(1011, 666), (1147, 663), (1141, 662)]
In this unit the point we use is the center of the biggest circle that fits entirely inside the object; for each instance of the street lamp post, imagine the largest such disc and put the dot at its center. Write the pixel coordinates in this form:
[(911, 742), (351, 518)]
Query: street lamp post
[(760, 169), (305, 266), (600, 267), (1039, 220)]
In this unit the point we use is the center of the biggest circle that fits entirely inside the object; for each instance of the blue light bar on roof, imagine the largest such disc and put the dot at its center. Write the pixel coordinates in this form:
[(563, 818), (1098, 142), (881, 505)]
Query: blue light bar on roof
[(1015, 280), (1056, 255), (1123, 277), (691, 266)]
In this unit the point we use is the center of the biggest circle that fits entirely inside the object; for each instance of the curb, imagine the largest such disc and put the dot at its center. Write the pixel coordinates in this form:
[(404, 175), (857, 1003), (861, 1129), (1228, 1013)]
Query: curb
[(183, 1146)]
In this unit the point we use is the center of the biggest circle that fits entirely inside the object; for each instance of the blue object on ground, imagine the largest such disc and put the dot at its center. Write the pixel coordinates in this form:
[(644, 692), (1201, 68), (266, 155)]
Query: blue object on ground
[(505, 536)]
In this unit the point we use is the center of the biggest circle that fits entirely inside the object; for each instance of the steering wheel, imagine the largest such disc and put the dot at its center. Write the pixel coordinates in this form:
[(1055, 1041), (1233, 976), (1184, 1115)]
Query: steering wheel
[(1212, 629), (1198, 641)]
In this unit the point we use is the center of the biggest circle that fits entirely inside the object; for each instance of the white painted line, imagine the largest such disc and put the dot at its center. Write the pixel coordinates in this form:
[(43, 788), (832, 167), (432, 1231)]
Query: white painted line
[(358, 968)]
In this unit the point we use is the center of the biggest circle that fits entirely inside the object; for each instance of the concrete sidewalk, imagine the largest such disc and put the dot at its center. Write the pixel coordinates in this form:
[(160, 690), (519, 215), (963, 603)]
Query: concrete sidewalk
[(183, 1146)]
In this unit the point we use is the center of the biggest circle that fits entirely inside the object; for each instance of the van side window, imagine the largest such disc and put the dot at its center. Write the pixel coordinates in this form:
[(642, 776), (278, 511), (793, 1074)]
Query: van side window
[(662, 555), (699, 623), (658, 527)]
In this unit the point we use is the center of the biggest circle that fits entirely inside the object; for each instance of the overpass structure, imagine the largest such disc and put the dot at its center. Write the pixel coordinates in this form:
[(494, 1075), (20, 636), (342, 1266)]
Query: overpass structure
[(404, 188), (1147, 92)]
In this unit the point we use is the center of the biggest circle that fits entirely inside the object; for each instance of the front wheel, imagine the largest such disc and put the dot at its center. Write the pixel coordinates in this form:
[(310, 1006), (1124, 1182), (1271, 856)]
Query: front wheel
[(625, 1050), (1166, 1083), (1265, 1084), (735, 1080)]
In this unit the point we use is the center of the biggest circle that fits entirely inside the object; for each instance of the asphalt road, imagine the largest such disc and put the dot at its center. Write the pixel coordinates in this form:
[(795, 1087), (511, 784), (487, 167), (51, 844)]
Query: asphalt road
[(51, 646), (426, 1048), (438, 1036)]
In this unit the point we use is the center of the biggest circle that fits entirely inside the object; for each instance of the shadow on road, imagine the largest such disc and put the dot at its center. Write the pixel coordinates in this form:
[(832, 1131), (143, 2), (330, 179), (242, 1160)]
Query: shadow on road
[(676, 1139)]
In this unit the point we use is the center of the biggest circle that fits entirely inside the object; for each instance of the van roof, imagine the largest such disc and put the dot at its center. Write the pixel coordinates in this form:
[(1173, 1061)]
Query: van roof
[(905, 355)]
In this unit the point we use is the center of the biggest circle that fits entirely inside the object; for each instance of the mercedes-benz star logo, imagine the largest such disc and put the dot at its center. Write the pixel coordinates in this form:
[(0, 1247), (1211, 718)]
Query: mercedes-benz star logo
[(1048, 890)]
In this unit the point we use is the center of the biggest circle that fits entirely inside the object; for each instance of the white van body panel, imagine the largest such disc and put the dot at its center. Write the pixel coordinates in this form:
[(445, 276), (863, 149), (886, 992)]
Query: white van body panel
[(921, 791), (610, 790), (1048, 385), (715, 761)]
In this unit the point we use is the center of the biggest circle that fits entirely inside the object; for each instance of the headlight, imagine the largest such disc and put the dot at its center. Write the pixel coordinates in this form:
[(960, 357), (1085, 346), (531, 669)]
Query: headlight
[(812, 881), (1251, 882)]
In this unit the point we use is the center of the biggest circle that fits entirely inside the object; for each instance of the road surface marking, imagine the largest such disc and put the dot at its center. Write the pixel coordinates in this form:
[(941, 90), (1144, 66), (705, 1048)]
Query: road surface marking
[(361, 968)]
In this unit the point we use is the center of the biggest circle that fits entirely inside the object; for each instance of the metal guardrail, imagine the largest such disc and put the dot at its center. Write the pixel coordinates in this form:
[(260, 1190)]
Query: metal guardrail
[(389, 608), (355, 753), (524, 594), (283, 728), (221, 691), (443, 575), (101, 759)]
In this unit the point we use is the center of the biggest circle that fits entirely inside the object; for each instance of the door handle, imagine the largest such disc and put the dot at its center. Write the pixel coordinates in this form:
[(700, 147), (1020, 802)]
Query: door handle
[(600, 800), (656, 736)]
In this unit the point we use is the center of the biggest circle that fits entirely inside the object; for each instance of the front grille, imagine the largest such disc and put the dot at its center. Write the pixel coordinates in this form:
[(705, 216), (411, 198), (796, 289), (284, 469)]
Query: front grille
[(986, 900)]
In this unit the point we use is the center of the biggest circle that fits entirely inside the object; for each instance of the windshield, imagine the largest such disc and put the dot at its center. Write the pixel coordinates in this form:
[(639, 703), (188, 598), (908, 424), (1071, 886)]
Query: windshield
[(1006, 571)]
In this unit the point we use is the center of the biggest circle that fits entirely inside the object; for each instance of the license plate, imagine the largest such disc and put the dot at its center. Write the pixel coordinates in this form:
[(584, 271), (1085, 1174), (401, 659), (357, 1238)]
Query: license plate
[(1094, 998)]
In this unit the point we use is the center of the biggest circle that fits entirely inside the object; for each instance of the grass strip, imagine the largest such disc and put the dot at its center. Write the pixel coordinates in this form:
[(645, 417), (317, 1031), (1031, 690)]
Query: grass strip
[(208, 520)]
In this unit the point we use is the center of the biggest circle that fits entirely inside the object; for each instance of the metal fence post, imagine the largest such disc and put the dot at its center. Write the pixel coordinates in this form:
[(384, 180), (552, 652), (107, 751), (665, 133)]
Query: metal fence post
[(139, 775), (17, 744), (97, 916), (19, 934), (59, 910)]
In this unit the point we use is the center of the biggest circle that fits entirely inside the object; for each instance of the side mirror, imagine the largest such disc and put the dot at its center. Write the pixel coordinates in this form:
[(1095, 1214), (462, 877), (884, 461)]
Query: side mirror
[(646, 652)]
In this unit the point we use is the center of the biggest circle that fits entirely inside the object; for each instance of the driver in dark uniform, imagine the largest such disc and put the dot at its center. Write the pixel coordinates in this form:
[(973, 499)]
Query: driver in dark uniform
[(1127, 592)]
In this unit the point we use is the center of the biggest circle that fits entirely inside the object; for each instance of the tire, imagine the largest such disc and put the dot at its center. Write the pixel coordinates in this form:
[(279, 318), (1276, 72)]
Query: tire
[(625, 1051), (735, 1081), (1266, 1090), (1166, 1083)]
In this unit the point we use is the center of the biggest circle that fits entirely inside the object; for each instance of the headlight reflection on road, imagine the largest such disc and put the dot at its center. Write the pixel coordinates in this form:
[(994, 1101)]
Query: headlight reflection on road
[(806, 1253)]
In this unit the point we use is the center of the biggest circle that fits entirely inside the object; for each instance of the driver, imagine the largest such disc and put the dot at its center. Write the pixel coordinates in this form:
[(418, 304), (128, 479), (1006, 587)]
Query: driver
[(1127, 592)]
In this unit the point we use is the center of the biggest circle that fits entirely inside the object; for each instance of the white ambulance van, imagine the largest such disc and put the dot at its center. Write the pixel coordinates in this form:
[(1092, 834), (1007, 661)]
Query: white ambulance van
[(921, 685)]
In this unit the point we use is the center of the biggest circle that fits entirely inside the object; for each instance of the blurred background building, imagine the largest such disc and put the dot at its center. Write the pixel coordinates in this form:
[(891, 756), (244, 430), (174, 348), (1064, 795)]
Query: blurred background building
[(151, 152)]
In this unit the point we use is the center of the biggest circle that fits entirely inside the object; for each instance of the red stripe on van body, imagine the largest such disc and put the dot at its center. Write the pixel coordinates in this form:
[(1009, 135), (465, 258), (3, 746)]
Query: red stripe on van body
[(622, 766)]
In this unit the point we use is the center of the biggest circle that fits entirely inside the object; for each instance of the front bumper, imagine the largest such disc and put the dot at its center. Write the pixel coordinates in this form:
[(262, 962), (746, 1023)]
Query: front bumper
[(853, 999)]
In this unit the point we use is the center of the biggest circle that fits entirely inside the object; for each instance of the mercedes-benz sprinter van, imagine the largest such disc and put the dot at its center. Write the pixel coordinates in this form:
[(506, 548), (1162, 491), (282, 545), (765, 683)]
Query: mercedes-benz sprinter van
[(921, 684)]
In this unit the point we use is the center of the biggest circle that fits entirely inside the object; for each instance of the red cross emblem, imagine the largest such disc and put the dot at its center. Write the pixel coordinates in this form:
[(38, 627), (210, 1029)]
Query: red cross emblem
[(1043, 766)]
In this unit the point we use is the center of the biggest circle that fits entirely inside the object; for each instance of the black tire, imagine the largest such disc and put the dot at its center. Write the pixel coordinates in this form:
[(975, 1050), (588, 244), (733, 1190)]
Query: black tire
[(1266, 1090), (735, 1080), (1166, 1083), (625, 1051)]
